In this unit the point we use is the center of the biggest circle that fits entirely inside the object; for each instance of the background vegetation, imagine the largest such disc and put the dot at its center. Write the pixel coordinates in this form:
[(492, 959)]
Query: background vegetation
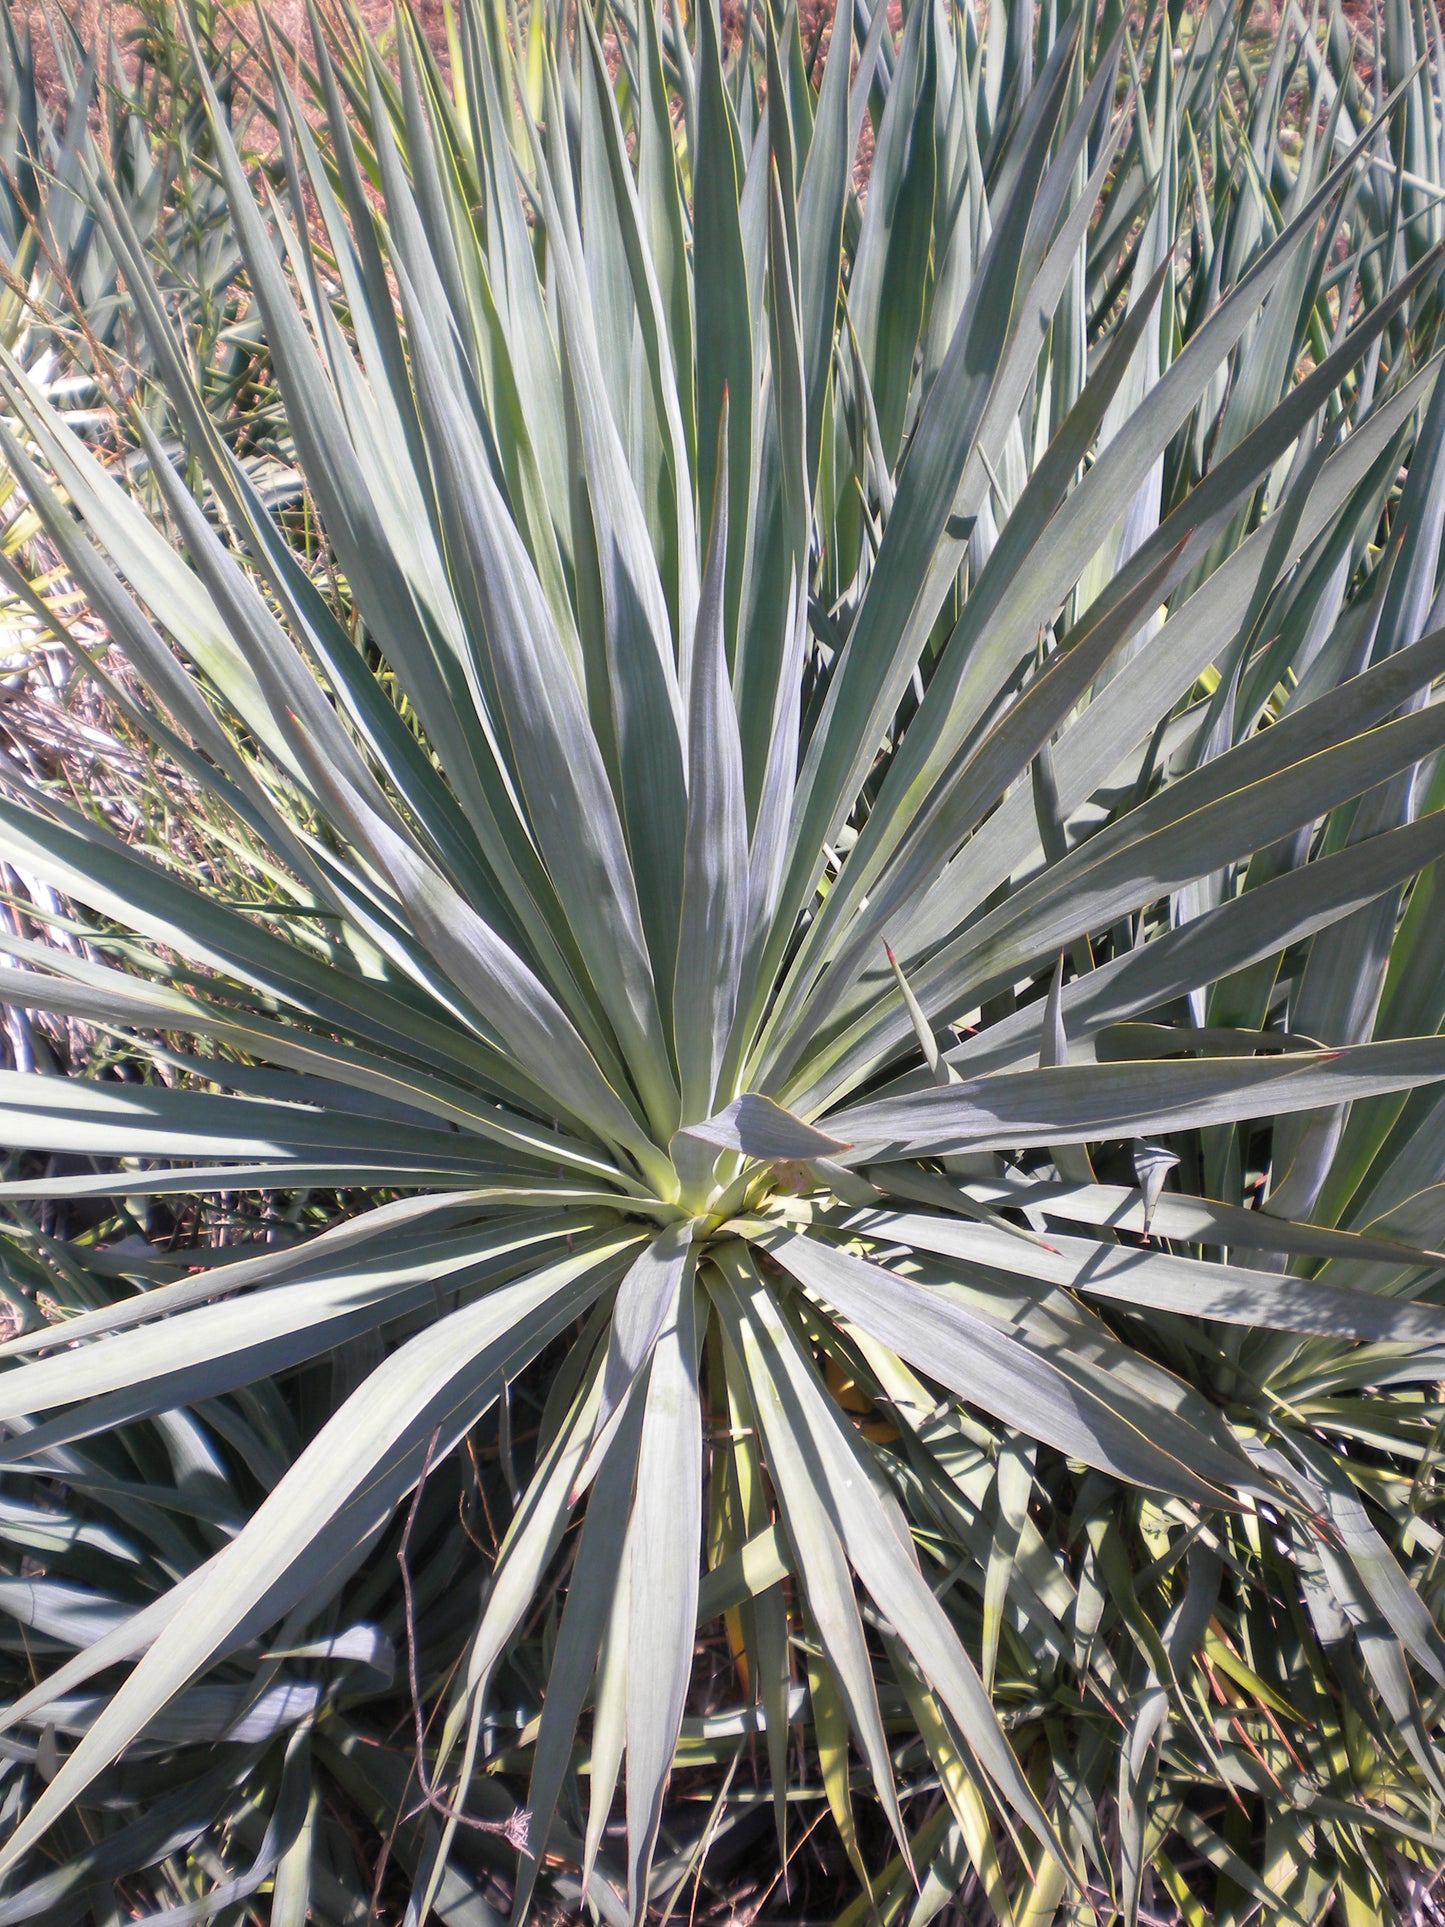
[(720, 817)]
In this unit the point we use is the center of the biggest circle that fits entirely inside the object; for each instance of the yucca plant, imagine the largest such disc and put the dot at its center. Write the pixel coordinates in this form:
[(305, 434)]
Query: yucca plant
[(62, 310), (64, 104), (66, 320), (847, 938)]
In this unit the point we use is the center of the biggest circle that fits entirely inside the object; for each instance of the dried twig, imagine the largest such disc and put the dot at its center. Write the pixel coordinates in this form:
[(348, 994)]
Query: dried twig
[(516, 1828)]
